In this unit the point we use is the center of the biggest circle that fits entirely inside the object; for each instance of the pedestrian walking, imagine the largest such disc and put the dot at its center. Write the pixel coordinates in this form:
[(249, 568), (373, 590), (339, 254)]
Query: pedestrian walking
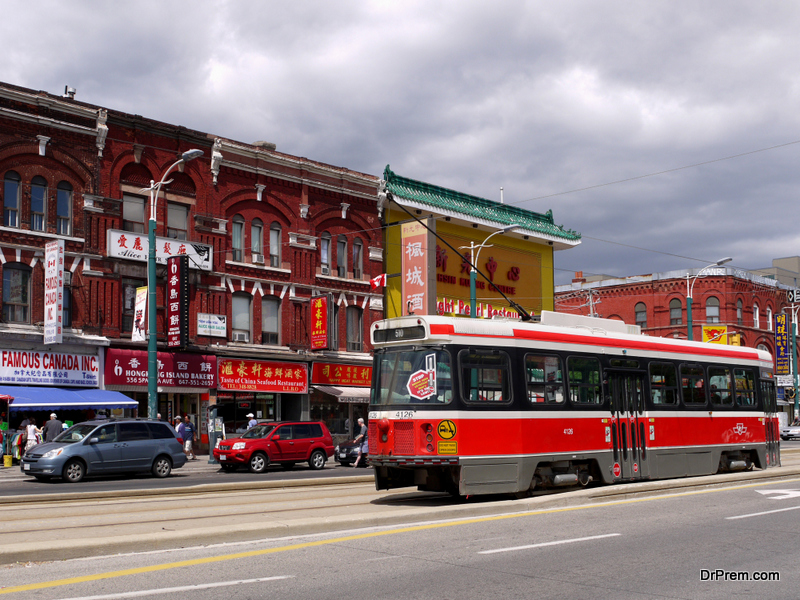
[(33, 434), (362, 441), (189, 438), (52, 428), (180, 430)]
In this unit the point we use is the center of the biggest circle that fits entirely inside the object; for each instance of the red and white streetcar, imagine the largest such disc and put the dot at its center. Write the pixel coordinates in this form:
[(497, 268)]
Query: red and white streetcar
[(474, 406)]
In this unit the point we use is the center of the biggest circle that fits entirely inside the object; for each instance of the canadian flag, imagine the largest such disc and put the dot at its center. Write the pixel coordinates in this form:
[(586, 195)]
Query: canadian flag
[(378, 282)]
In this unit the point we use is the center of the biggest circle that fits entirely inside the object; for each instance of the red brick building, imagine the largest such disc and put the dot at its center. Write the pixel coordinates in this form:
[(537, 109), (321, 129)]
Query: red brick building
[(744, 302), (266, 232)]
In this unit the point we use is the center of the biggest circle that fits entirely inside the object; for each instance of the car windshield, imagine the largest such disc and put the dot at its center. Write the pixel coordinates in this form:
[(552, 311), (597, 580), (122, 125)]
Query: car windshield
[(258, 431), (412, 377), (76, 433)]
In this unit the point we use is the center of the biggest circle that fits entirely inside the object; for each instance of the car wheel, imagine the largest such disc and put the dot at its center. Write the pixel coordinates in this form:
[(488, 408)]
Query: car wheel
[(258, 463), (228, 468), (317, 460), (162, 467), (74, 471), (288, 465)]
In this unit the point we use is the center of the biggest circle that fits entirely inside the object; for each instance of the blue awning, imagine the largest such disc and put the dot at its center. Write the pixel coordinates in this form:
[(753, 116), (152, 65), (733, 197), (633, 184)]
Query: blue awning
[(51, 398)]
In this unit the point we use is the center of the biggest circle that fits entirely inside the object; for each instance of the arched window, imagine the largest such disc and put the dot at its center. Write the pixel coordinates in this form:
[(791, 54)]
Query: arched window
[(358, 258), (739, 307), (241, 317), (325, 253), (11, 196), (275, 245), (64, 208), (257, 241), (763, 347), (16, 293), (641, 314), (756, 318), (237, 238), (712, 310), (354, 328), (341, 256), (769, 318), (38, 203), (270, 320), (675, 312)]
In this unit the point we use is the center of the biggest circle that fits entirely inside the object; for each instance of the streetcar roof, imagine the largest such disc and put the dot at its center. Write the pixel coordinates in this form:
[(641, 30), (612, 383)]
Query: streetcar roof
[(613, 336)]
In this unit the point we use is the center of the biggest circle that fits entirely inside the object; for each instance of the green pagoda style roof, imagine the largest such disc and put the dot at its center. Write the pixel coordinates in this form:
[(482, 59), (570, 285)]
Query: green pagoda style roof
[(475, 208)]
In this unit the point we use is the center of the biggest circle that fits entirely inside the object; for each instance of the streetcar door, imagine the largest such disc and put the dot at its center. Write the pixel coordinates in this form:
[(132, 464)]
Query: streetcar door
[(629, 427), (771, 422)]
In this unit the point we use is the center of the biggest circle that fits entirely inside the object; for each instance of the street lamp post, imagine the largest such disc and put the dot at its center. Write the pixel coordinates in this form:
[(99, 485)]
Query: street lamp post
[(473, 273), (690, 287), (152, 360)]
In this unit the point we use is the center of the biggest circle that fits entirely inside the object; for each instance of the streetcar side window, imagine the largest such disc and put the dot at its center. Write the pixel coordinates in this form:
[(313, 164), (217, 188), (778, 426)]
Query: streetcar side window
[(745, 388), (768, 396), (485, 376), (584, 380), (721, 388), (663, 384), (693, 385), (545, 379)]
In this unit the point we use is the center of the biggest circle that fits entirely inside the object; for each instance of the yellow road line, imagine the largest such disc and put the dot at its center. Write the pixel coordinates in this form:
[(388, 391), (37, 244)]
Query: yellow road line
[(360, 536)]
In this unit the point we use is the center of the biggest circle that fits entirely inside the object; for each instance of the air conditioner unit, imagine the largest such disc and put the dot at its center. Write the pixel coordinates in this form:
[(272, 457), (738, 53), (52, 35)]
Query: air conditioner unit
[(325, 270), (258, 259), (241, 336)]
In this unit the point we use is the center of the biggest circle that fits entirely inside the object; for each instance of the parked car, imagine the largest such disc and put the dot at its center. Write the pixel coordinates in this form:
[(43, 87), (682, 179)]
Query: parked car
[(106, 447), (286, 443), (790, 431), (347, 453)]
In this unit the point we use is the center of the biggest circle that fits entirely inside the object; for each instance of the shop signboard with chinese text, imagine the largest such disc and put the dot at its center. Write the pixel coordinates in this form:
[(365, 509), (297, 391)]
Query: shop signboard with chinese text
[(212, 325), (324, 373), (32, 367), (782, 346), (135, 246), (418, 272), (178, 301), (53, 291), (175, 369), (321, 321), (262, 376)]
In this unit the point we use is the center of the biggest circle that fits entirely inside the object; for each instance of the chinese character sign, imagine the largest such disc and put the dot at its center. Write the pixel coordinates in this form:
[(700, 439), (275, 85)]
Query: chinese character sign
[(782, 355), (263, 376), (178, 301), (319, 322), (418, 293), (53, 291)]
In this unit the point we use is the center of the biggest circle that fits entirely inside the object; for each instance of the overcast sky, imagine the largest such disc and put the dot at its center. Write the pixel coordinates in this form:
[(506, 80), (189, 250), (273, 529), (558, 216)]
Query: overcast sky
[(550, 100)]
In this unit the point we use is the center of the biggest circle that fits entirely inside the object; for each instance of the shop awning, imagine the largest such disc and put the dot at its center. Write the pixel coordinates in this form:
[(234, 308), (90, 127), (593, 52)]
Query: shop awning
[(50, 398), (357, 395)]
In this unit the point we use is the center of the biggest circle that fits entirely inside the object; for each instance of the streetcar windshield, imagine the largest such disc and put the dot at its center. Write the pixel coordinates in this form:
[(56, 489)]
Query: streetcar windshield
[(412, 377)]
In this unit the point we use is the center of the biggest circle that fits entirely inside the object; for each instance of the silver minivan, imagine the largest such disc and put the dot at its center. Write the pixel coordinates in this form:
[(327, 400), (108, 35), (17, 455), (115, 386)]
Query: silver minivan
[(107, 447)]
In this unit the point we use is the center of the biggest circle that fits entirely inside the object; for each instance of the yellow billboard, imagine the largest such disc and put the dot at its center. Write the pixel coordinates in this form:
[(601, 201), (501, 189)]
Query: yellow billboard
[(715, 334)]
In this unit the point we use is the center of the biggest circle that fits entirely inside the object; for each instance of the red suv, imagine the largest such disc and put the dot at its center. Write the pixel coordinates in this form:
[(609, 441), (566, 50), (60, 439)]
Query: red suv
[(287, 443)]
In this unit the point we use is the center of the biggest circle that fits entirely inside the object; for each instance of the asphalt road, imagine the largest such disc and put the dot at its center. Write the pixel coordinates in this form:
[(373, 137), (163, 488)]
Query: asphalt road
[(691, 544)]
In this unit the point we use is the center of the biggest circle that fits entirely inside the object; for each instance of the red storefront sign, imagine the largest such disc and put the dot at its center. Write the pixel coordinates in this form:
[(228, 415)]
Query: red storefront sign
[(319, 323), (175, 369), (338, 374), (263, 376), (178, 301)]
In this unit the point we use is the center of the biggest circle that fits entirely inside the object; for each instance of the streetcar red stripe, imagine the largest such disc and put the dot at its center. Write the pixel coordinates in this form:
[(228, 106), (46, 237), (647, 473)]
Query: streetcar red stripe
[(547, 336)]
